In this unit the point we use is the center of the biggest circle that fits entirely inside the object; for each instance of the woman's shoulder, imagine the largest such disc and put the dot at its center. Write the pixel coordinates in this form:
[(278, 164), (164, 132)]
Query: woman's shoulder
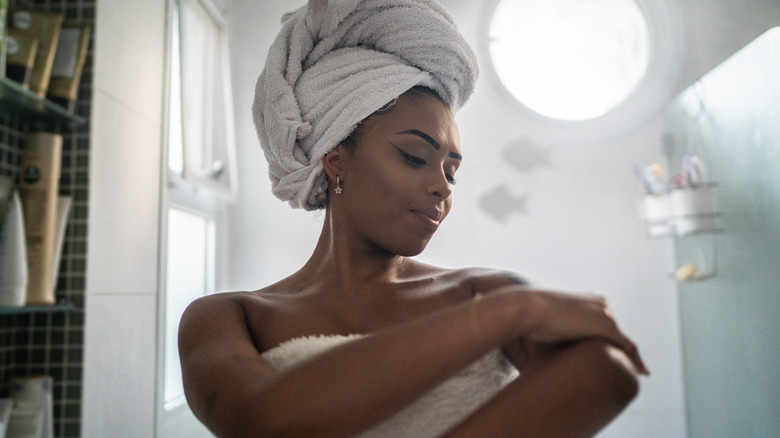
[(235, 303), (218, 304), (260, 315), (487, 279), (258, 299), (493, 274), (480, 278)]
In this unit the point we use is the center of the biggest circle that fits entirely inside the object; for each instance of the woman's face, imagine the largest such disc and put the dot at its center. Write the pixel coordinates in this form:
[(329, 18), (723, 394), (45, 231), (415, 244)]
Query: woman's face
[(397, 184)]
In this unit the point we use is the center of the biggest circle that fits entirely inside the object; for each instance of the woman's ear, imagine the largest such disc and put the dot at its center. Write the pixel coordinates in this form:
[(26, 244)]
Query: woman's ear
[(333, 162)]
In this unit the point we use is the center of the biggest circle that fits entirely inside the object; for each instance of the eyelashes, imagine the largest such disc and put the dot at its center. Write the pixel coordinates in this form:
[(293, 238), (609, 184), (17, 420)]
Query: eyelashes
[(419, 162)]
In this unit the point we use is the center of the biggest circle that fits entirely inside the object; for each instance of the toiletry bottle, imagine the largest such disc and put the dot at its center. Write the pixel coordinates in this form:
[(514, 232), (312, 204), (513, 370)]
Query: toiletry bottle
[(39, 175), (13, 256), (38, 390)]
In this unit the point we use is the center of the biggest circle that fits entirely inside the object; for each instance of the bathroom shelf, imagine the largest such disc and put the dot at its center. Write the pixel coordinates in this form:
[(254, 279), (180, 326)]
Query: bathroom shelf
[(699, 232), (687, 234), (15, 101), (59, 307)]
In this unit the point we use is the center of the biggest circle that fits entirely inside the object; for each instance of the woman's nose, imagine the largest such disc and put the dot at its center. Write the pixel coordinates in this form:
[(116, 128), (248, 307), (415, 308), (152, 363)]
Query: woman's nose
[(441, 186)]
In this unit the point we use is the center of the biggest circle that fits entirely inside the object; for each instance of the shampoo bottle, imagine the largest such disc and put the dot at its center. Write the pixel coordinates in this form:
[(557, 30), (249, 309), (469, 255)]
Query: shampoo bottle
[(37, 390), (39, 175), (13, 253)]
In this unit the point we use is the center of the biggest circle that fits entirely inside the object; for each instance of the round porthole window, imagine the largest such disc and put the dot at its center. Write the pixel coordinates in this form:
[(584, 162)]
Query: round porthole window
[(569, 60)]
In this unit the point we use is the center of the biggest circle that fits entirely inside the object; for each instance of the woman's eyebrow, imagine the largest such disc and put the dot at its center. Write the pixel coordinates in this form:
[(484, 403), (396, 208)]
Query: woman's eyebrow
[(435, 144), (423, 136)]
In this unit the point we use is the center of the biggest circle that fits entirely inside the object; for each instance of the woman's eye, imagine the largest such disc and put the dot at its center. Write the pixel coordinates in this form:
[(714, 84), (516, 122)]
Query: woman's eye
[(417, 161)]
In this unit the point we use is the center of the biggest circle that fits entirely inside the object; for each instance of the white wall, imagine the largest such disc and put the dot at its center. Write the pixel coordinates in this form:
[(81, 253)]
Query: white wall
[(270, 238), (121, 291)]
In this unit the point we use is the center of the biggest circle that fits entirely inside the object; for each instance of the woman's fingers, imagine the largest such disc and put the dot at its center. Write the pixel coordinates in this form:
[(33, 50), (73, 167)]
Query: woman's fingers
[(627, 346), (566, 317), (632, 351), (619, 339)]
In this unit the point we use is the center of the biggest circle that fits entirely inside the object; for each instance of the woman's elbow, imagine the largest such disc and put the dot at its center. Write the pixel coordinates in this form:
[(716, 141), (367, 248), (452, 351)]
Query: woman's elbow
[(269, 416), (617, 377), (234, 412)]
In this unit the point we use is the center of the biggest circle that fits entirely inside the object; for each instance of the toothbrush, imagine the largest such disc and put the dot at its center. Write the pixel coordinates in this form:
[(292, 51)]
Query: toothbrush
[(642, 179), (654, 175), (696, 173)]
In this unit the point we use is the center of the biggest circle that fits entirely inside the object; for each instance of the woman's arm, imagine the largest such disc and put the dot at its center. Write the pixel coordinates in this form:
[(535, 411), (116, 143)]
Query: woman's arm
[(356, 385), (574, 393), (525, 352), (340, 392), (571, 388)]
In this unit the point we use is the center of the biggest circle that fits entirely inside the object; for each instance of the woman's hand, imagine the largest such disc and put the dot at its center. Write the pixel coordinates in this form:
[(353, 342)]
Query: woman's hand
[(559, 318)]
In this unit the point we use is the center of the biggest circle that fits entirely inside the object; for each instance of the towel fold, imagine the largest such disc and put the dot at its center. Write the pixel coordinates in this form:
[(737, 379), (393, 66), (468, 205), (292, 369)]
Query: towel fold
[(336, 62)]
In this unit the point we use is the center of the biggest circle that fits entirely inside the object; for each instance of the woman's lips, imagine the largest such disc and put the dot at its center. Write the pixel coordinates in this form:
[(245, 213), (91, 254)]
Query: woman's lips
[(430, 217)]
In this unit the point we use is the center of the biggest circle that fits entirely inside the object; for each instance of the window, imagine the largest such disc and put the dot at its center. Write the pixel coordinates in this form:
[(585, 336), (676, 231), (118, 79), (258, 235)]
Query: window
[(200, 183), (202, 144), (569, 59), (190, 275)]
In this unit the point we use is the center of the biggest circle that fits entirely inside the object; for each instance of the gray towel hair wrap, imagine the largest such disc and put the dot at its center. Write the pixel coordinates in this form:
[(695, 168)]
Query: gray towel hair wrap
[(336, 62)]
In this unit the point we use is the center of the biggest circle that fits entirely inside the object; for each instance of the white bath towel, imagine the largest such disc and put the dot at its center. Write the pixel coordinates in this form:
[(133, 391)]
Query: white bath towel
[(435, 412), (336, 62)]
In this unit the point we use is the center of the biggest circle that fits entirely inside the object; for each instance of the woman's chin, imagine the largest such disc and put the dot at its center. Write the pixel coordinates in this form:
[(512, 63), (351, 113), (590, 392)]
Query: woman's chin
[(412, 249)]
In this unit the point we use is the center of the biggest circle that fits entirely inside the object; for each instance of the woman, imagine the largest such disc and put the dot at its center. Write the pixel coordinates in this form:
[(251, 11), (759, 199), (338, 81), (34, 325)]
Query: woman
[(364, 340)]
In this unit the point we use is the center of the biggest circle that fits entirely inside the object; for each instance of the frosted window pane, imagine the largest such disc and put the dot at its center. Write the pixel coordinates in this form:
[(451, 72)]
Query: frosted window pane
[(569, 59), (186, 280), (204, 120)]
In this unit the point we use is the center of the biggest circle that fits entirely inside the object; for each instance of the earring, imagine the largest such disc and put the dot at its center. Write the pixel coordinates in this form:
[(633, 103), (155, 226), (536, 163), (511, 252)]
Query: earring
[(338, 185)]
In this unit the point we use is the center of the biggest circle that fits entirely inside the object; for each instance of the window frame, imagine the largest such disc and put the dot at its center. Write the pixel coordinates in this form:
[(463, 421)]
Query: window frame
[(191, 174), (189, 192), (209, 286)]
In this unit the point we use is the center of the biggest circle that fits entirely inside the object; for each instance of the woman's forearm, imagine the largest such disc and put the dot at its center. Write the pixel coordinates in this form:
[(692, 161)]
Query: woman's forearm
[(573, 394)]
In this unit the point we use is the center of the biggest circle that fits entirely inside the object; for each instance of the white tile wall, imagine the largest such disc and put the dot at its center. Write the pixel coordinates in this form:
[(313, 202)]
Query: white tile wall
[(124, 202), (121, 302), (130, 42), (119, 367)]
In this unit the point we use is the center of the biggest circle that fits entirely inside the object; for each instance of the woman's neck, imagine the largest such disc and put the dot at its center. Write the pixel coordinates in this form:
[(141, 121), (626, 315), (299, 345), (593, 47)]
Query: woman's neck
[(345, 262)]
